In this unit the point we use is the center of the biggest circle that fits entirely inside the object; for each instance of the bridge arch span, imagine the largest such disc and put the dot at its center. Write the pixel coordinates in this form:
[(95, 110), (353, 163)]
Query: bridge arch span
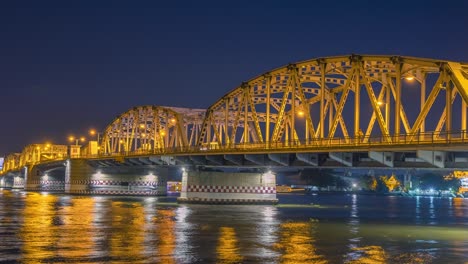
[(349, 99), (152, 128)]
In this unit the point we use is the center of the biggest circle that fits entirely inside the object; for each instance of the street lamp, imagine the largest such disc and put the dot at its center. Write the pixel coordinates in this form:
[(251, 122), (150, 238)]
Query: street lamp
[(93, 133), (76, 139)]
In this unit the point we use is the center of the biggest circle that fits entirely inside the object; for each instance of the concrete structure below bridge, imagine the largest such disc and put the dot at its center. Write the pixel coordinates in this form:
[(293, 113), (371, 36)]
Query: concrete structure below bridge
[(80, 176), (217, 187)]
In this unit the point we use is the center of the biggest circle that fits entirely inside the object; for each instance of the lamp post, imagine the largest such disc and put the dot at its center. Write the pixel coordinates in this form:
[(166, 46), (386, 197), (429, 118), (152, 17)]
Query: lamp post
[(76, 139), (93, 133)]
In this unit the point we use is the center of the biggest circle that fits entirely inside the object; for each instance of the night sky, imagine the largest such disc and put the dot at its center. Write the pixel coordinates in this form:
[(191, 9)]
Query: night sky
[(68, 66)]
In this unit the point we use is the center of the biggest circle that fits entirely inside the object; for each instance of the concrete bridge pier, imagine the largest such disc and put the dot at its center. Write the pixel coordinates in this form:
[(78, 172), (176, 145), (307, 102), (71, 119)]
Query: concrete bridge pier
[(45, 179), (82, 178), (217, 187), (13, 180)]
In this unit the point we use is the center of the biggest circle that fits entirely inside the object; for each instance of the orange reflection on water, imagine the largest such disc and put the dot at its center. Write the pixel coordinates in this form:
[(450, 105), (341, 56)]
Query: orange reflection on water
[(78, 240), (369, 255), (297, 244), (128, 234), (166, 235), (458, 206), (38, 232), (227, 249), (54, 228)]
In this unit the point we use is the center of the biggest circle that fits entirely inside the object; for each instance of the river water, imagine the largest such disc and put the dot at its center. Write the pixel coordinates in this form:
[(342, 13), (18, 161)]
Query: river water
[(324, 228)]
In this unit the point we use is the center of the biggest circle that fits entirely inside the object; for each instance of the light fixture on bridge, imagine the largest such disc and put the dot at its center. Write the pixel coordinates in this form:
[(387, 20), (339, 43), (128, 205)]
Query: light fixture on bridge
[(380, 103), (301, 113), (76, 140), (142, 125), (409, 77), (162, 132), (173, 120), (143, 135), (93, 133)]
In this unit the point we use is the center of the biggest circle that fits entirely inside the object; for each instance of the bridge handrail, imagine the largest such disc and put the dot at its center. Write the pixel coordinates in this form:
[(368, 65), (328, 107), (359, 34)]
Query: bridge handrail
[(411, 140)]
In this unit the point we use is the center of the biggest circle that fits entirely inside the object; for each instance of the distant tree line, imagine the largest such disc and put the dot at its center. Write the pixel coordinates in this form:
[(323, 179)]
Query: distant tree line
[(323, 178)]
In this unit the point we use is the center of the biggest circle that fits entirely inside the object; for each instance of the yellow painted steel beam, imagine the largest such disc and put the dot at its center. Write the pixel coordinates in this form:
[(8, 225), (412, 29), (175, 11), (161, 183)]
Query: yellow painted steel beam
[(339, 109), (306, 109), (459, 75), (443, 116), (377, 113), (427, 106), (280, 121), (341, 122)]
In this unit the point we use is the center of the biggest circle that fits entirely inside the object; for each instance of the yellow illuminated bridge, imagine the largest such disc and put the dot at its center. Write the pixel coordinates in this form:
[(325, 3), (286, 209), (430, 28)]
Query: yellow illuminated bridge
[(318, 110)]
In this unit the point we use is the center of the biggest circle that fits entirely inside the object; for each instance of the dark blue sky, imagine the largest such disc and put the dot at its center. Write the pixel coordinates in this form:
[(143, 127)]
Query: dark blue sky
[(67, 66)]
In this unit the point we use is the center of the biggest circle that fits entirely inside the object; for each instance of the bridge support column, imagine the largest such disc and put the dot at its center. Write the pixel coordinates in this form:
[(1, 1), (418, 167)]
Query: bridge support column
[(345, 158), (228, 188), (309, 158), (31, 178), (8, 180), (18, 182), (44, 180), (436, 158), (385, 158), (18, 179), (81, 178)]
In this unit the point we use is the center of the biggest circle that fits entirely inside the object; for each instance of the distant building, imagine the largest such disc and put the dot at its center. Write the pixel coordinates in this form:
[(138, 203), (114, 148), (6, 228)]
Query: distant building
[(463, 176), (1, 163)]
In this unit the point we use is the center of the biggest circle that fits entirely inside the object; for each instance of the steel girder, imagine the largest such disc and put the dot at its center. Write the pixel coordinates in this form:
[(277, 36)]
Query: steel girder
[(315, 102), (152, 129)]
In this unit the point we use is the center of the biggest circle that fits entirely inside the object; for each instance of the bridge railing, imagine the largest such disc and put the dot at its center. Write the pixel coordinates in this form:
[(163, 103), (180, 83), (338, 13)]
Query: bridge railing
[(403, 141)]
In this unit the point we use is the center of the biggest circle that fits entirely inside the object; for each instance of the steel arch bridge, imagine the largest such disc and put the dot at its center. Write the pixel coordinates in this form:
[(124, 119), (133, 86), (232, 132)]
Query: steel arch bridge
[(152, 128), (330, 102)]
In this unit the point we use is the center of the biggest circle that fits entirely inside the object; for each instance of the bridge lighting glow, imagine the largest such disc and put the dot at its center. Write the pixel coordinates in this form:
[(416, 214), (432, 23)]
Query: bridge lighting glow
[(82, 139), (354, 185), (142, 125), (92, 132), (380, 103), (121, 141), (409, 78), (162, 133), (173, 120), (300, 113)]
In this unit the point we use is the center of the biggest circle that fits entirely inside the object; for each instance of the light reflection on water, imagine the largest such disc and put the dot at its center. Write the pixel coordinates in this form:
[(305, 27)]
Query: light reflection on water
[(49, 228)]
